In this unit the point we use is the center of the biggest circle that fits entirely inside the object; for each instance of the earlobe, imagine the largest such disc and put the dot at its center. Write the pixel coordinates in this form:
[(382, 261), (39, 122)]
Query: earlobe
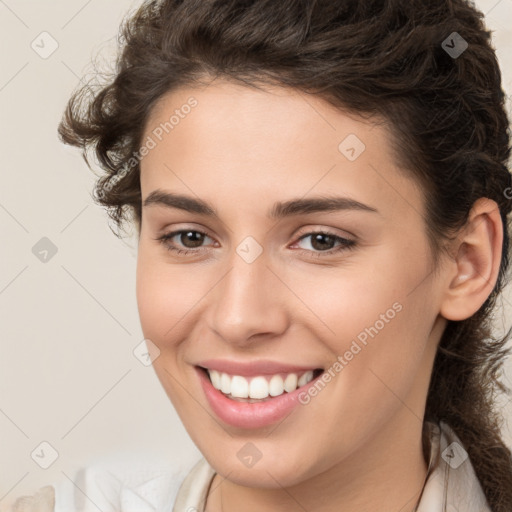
[(474, 270)]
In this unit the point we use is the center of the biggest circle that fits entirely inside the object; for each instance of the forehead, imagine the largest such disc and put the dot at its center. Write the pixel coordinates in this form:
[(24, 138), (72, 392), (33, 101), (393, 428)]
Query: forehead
[(230, 112), (267, 143)]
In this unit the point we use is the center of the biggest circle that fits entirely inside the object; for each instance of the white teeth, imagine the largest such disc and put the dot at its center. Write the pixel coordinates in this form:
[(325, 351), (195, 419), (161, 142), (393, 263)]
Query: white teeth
[(225, 383), (239, 387), (275, 386), (215, 378), (304, 379), (258, 387), (290, 383)]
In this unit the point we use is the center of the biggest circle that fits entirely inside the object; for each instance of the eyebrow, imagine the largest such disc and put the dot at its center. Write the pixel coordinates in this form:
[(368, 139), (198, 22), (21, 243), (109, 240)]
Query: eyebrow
[(278, 211)]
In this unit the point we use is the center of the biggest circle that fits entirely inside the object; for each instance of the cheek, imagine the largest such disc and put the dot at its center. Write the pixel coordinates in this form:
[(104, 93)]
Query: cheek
[(372, 316), (347, 300), (165, 294), (377, 340), (167, 299)]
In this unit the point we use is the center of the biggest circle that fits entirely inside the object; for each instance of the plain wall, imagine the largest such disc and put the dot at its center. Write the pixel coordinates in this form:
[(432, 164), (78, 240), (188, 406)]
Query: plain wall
[(69, 326)]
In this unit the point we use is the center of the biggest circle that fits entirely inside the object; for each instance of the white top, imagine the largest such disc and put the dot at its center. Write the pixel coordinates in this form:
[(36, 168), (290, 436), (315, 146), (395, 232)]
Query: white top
[(451, 485)]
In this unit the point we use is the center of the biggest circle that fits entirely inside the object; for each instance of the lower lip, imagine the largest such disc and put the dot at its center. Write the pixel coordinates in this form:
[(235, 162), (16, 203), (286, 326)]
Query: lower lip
[(251, 415)]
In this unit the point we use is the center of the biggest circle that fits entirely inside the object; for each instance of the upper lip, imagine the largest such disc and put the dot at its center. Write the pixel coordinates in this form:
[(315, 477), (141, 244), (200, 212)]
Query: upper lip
[(253, 368)]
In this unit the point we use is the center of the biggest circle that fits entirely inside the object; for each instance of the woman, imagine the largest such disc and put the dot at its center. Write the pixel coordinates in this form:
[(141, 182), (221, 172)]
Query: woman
[(321, 192)]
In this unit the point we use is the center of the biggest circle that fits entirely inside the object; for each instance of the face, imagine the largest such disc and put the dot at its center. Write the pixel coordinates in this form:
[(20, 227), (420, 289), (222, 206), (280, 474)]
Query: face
[(300, 242)]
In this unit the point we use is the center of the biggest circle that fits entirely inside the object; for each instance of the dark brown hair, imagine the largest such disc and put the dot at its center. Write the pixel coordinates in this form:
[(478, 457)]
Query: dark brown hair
[(385, 59)]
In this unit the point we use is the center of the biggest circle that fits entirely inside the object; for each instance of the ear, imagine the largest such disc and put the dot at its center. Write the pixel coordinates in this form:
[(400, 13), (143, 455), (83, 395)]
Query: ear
[(474, 270)]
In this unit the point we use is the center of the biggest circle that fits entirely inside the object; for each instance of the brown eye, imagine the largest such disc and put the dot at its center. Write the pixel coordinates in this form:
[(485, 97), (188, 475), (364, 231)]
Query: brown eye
[(321, 241), (191, 239), (184, 241), (326, 242)]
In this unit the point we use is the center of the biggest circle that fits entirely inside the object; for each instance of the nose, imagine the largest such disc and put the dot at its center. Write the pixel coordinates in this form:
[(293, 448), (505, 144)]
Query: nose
[(249, 302)]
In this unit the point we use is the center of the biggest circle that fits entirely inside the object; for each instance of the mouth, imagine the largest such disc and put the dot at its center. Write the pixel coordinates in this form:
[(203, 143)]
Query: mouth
[(261, 388)]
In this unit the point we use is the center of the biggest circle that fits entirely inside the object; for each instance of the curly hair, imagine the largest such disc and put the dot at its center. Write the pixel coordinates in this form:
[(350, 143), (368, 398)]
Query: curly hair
[(386, 59)]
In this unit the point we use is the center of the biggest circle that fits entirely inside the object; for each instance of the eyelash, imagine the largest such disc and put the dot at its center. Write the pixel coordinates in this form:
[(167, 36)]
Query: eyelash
[(345, 244)]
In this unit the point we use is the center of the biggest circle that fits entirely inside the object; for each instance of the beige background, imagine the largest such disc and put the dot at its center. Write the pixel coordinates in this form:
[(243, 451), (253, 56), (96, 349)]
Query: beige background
[(68, 375)]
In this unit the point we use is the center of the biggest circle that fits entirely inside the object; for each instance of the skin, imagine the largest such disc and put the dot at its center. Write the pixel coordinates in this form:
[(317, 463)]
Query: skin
[(358, 442)]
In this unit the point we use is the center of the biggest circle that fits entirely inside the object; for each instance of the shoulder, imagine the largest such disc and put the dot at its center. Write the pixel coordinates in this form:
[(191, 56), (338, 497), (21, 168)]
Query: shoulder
[(110, 486), (41, 501), (451, 481)]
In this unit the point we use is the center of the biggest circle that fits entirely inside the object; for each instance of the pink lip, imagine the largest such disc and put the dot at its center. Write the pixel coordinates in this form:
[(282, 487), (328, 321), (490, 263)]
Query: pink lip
[(250, 415), (253, 368)]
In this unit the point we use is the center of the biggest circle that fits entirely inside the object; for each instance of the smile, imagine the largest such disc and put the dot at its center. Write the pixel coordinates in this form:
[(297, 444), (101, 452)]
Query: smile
[(259, 387), (247, 412)]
